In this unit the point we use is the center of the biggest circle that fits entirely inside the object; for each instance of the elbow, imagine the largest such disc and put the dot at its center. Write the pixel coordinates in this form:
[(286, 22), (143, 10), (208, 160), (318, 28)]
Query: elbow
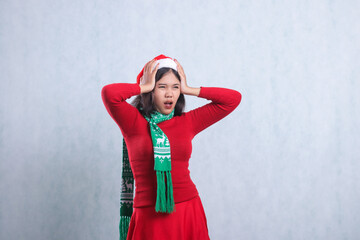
[(103, 91), (236, 97), (106, 93), (233, 100)]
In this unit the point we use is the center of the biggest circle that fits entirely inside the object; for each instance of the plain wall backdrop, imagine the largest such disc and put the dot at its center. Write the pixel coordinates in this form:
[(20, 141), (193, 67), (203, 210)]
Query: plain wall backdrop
[(284, 165)]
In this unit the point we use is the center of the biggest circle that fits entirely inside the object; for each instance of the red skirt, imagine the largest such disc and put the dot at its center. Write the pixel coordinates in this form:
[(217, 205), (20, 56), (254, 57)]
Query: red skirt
[(186, 223)]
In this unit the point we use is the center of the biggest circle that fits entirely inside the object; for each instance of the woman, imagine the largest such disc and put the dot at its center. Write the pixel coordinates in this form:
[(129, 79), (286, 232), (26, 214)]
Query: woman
[(157, 136)]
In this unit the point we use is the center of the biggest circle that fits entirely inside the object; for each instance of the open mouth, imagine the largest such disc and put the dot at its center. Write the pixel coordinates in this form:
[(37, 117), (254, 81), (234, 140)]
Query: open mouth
[(168, 104)]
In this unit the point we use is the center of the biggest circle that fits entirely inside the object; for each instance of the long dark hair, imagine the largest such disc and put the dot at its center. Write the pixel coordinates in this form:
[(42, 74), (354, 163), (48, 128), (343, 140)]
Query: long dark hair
[(144, 101)]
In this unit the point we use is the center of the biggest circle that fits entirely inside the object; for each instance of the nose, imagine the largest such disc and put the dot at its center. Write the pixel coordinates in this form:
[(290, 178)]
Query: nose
[(169, 93)]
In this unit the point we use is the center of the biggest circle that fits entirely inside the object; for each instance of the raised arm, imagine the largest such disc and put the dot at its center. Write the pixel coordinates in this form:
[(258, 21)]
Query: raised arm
[(114, 98), (224, 101)]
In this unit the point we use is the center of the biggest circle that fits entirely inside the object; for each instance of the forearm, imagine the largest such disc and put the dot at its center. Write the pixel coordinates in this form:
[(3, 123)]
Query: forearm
[(118, 92), (223, 102), (226, 97)]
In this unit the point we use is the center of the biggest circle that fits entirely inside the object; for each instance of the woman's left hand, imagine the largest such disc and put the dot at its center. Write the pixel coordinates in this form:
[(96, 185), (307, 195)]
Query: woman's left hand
[(183, 83), (184, 88)]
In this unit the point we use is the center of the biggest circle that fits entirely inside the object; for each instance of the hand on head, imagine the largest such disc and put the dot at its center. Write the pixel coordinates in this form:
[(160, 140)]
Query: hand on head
[(147, 81), (181, 72)]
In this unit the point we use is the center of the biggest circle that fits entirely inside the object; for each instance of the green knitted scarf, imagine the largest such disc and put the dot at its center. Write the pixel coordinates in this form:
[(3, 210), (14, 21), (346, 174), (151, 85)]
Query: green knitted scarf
[(162, 158), (126, 196)]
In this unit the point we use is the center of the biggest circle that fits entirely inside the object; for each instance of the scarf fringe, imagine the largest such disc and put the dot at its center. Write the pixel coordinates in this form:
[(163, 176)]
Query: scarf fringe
[(124, 227), (170, 197), (164, 202)]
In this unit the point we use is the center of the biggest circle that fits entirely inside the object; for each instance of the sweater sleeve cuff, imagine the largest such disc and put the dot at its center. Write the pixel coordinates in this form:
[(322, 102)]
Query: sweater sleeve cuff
[(138, 89), (201, 93)]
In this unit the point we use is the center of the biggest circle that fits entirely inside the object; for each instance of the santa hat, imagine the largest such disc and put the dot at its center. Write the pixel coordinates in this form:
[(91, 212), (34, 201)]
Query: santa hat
[(163, 61)]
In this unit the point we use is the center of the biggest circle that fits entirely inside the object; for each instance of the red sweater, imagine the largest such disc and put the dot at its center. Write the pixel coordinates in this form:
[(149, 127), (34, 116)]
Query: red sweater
[(180, 130)]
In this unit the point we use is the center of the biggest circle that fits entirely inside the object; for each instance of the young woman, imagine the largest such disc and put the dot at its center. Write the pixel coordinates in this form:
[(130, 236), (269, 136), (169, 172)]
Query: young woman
[(157, 138)]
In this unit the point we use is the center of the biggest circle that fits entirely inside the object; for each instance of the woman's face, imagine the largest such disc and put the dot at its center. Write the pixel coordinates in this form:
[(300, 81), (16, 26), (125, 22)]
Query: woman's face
[(166, 93)]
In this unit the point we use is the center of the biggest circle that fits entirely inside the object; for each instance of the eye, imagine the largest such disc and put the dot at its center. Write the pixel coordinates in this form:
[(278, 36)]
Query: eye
[(162, 87), (176, 87)]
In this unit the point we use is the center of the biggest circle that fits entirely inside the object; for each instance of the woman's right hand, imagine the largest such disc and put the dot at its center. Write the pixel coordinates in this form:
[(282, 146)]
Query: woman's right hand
[(147, 81)]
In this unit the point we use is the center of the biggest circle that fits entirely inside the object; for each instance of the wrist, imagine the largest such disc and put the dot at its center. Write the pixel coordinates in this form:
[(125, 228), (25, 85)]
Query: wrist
[(145, 88)]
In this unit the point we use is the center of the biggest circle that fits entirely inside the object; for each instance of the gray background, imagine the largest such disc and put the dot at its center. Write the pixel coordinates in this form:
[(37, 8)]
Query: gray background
[(283, 165)]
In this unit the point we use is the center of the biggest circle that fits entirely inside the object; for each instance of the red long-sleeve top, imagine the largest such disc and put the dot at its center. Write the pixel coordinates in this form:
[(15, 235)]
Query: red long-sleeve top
[(180, 130)]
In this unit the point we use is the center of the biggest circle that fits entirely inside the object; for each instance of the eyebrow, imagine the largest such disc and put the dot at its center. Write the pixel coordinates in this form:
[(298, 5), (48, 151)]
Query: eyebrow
[(166, 84)]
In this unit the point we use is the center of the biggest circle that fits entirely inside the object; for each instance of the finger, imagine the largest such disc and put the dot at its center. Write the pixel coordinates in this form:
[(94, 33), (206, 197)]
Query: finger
[(151, 65), (146, 68), (148, 64), (176, 61), (179, 65), (156, 67)]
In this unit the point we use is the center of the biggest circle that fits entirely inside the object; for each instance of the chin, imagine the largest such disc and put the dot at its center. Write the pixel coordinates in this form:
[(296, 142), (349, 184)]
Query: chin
[(167, 111)]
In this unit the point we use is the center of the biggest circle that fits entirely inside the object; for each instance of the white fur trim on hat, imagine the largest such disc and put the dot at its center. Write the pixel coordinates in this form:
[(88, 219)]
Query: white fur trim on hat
[(166, 62)]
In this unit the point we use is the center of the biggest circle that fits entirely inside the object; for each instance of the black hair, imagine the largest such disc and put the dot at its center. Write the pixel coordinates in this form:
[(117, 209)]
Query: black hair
[(144, 101)]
